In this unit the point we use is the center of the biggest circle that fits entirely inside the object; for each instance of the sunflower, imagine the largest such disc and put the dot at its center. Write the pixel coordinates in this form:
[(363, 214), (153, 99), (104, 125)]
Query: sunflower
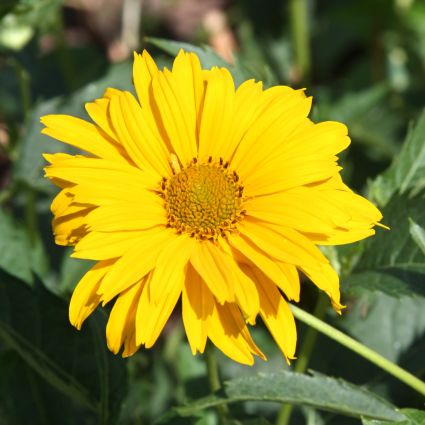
[(200, 191)]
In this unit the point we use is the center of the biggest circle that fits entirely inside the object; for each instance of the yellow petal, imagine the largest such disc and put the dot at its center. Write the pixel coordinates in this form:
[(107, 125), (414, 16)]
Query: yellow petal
[(326, 279), (61, 202), (84, 299), (99, 113), (325, 138), (112, 194), (292, 279), (170, 266), (342, 236), (70, 218), (83, 135), (290, 209), (81, 170), (181, 132), (145, 150), (121, 327), (106, 245), (120, 217), (284, 244), (68, 229), (217, 115), (269, 266), (213, 266), (188, 83), (151, 148), (284, 174), (228, 332), (246, 102), (245, 290), (197, 306), (151, 317), (270, 129), (134, 264), (144, 69), (276, 315)]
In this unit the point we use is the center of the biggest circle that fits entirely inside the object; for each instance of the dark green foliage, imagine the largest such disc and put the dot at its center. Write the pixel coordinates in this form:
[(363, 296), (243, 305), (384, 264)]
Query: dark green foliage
[(367, 70), (55, 370)]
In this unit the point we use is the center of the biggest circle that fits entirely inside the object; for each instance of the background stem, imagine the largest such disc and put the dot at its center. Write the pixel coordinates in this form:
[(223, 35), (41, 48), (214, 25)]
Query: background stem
[(214, 381), (360, 349), (301, 38), (303, 360)]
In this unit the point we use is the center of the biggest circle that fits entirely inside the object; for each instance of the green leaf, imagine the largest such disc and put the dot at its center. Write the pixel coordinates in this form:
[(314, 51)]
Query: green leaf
[(34, 326), (321, 392), (386, 324), (20, 256), (392, 261), (418, 234), (407, 170), (414, 417), (28, 167)]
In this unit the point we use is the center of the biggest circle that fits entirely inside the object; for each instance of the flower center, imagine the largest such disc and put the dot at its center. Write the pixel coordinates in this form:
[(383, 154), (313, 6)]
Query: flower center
[(203, 200)]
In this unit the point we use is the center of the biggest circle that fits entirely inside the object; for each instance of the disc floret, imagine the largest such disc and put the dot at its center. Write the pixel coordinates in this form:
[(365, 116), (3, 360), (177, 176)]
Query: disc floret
[(203, 199)]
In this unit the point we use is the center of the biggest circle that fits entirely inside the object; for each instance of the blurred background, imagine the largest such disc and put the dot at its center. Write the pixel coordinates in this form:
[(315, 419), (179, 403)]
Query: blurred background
[(363, 61), (364, 64)]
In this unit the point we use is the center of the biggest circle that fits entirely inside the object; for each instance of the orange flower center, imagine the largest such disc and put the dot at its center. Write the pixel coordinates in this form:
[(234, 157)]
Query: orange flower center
[(203, 200)]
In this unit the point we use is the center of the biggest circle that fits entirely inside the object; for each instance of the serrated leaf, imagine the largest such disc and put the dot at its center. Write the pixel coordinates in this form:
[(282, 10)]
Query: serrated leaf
[(414, 417), (392, 262), (408, 168), (321, 392), (34, 325)]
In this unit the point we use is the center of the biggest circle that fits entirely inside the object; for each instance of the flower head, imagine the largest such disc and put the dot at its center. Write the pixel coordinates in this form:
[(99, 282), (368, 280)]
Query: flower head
[(200, 191)]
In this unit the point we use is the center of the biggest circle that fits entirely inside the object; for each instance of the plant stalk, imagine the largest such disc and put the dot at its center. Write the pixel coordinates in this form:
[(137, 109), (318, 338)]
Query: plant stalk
[(214, 381), (359, 348), (298, 10), (303, 360)]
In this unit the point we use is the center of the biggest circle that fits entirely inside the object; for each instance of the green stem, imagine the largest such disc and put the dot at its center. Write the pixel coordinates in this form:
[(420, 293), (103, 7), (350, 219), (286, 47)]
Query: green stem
[(214, 380), (303, 360), (301, 37), (24, 85), (212, 369), (360, 349), (64, 57)]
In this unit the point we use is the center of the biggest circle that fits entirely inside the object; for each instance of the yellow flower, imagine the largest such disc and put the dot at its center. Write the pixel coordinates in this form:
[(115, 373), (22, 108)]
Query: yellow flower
[(200, 191)]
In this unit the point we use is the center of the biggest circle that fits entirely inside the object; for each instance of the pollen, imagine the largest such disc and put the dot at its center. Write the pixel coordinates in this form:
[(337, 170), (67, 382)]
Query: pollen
[(204, 200)]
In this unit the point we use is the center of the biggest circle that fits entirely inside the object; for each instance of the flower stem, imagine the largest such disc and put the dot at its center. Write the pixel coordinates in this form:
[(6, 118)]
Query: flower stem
[(301, 37), (212, 368), (369, 354), (303, 360), (214, 381)]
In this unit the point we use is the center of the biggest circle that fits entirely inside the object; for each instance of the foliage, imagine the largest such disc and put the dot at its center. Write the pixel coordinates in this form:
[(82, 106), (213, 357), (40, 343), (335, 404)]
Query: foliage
[(367, 67)]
